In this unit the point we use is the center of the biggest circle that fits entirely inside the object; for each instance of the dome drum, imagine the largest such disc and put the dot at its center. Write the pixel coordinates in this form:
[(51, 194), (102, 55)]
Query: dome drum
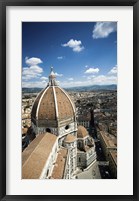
[(46, 123)]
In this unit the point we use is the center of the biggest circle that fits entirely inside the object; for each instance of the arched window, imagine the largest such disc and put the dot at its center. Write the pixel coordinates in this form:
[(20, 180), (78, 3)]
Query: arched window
[(48, 130), (85, 142), (47, 172), (79, 159), (80, 144)]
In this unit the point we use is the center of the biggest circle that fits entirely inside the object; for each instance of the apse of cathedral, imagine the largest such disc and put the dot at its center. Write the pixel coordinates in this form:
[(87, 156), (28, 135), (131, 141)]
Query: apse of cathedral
[(60, 148)]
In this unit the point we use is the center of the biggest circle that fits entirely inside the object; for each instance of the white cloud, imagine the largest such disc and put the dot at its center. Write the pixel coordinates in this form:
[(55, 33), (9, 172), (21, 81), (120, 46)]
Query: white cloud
[(104, 80), (44, 81), (113, 70), (76, 45), (39, 84), (26, 58), (92, 80), (33, 71), (86, 66), (90, 77), (103, 29), (78, 48), (73, 83), (58, 82), (58, 75), (60, 57), (44, 78), (70, 79), (92, 70), (32, 61)]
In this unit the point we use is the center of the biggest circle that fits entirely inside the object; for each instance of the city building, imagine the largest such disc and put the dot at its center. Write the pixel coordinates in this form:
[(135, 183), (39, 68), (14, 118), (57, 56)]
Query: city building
[(54, 153), (112, 158), (108, 142), (109, 146), (86, 148)]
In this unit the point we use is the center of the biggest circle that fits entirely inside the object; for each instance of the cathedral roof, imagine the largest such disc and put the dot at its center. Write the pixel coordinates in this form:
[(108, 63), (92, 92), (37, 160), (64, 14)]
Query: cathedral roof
[(53, 104), (81, 132), (59, 167), (69, 138), (34, 157)]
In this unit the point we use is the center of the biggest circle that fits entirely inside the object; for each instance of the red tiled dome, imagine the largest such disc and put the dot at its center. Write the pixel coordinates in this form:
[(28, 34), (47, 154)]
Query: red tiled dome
[(52, 105), (81, 132)]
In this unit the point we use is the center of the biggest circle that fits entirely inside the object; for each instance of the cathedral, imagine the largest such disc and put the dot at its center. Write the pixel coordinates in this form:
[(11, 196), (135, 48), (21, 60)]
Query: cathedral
[(60, 147)]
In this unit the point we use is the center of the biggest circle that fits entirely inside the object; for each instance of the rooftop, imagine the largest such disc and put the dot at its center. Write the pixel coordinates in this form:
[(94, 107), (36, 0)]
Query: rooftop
[(81, 132), (34, 157), (70, 138), (59, 167), (114, 155), (109, 141), (53, 104)]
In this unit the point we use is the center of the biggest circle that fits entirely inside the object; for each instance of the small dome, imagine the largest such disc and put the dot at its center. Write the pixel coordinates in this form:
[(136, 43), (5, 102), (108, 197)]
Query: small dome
[(69, 138), (81, 132)]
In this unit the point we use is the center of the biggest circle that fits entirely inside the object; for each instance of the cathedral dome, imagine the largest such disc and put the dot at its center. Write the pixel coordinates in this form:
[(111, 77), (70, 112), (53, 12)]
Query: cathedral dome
[(52, 106), (69, 138), (81, 132)]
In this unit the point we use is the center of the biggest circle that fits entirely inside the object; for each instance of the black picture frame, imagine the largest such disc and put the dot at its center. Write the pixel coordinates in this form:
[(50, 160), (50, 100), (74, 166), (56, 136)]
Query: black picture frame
[(3, 5)]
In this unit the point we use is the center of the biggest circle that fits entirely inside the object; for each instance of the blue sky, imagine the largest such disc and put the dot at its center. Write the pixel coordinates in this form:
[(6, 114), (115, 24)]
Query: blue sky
[(81, 53)]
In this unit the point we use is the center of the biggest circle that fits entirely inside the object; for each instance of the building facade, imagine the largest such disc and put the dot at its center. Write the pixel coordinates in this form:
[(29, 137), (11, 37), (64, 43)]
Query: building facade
[(54, 114), (86, 154)]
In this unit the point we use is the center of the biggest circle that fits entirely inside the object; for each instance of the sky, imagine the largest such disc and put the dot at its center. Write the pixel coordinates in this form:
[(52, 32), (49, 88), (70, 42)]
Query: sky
[(81, 53)]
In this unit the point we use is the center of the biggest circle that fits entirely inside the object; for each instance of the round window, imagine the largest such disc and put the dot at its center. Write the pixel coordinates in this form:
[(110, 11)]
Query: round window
[(66, 127)]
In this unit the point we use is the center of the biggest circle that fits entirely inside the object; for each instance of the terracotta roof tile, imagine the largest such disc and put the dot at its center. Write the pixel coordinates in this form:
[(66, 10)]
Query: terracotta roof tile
[(45, 105), (34, 108), (110, 142), (65, 108), (81, 132), (70, 138), (36, 155), (58, 170)]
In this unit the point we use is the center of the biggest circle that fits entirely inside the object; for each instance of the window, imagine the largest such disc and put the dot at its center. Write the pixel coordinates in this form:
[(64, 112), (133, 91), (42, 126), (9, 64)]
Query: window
[(67, 127), (79, 159), (48, 130), (47, 172), (80, 144)]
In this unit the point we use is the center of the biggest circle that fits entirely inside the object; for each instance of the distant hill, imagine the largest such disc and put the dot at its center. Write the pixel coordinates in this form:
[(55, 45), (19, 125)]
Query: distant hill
[(93, 88), (83, 88), (31, 90)]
